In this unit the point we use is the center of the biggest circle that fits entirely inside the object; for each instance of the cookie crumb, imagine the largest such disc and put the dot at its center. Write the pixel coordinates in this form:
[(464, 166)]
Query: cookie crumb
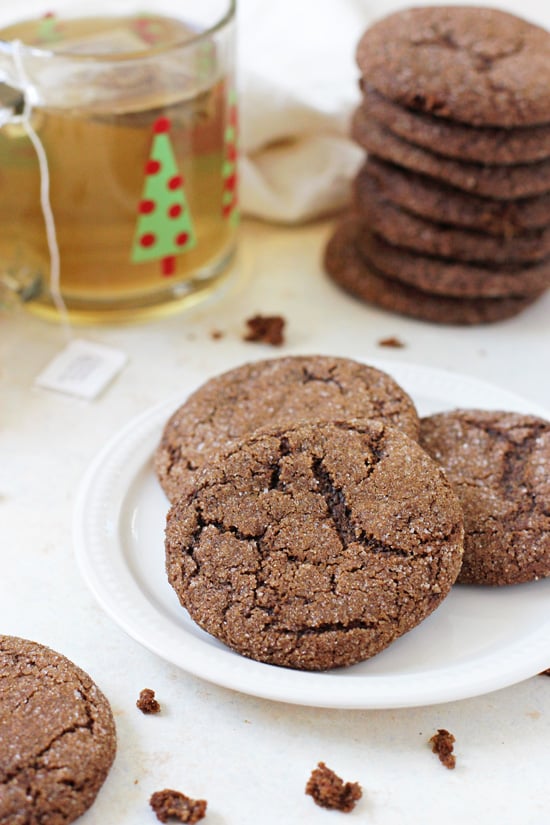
[(147, 702), (216, 334), (169, 804), (392, 341), (265, 329), (329, 791), (442, 743)]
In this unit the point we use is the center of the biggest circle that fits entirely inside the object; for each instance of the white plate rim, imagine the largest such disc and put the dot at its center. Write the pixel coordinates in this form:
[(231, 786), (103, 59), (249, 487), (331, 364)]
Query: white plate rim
[(97, 549)]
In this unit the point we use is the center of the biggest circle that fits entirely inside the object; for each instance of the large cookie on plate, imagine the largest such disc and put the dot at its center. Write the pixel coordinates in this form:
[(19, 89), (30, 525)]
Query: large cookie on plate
[(353, 272), (480, 66), (57, 736), (315, 546), (499, 465), (278, 391)]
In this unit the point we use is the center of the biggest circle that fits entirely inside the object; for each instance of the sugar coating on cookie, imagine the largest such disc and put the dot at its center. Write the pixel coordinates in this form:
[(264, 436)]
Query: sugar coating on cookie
[(57, 736), (480, 66), (270, 392), (499, 465), (315, 546)]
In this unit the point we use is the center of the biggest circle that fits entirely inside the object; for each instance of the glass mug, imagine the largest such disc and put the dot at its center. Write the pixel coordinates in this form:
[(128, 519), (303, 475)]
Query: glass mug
[(132, 210)]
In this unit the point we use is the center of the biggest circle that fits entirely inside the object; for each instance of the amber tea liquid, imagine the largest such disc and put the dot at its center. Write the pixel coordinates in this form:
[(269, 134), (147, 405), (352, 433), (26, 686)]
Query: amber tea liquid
[(142, 185)]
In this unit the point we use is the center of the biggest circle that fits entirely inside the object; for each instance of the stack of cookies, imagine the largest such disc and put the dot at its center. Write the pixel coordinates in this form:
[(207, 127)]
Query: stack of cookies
[(451, 218)]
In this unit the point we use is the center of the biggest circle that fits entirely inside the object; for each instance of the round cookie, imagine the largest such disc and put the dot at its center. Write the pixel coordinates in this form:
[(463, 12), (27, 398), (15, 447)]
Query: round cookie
[(431, 199), (459, 279), (57, 736), (499, 182), (402, 228), (315, 546), (360, 278), (457, 140), (275, 391), (480, 66), (499, 465)]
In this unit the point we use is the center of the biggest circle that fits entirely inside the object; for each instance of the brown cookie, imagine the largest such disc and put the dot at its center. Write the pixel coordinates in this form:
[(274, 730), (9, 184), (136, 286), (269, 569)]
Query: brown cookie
[(57, 736), (354, 273), (479, 66), (315, 546), (500, 182), (276, 391), (458, 279), (499, 465), (457, 140), (402, 228), (431, 199)]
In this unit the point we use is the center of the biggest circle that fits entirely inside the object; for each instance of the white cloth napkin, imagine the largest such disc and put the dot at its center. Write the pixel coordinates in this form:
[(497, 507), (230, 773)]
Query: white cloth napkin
[(298, 85)]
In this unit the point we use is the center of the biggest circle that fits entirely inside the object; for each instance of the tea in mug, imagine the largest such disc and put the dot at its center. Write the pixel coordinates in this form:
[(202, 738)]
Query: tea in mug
[(141, 155)]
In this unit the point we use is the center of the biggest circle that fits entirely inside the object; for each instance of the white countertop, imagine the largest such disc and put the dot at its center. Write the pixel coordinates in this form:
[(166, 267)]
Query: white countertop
[(250, 758)]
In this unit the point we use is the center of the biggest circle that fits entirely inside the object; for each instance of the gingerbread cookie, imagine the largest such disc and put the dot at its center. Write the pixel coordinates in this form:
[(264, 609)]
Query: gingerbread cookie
[(457, 140), (404, 229), (442, 204), (521, 180), (358, 276), (459, 279), (499, 465), (57, 736), (315, 546), (480, 66), (272, 392)]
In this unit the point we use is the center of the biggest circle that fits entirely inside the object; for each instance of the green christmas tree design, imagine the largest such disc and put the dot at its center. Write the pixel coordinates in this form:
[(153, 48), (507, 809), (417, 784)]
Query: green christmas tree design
[(229, 170), (164, 228)]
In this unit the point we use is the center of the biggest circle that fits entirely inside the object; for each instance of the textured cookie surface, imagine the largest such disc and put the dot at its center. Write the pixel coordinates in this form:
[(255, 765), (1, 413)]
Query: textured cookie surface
[(358, 276), (315, 547), (274, 392), (57, 736), (444, 204), (457, 140), (402, 228), (521, 180), (476, 65), (452, 278), (499, 465)]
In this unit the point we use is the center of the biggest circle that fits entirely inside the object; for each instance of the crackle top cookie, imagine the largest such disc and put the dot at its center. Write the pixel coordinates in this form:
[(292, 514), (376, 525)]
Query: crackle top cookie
[(275, 392), (480, 66), (57, 736), (315, 546), (499, 465)]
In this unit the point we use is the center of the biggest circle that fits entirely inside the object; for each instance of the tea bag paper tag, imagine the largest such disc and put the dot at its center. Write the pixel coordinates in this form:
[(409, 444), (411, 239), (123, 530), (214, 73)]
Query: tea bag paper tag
[(83, 369)]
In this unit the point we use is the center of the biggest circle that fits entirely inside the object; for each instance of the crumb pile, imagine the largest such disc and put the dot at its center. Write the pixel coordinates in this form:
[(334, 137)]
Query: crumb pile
[(451, 210)]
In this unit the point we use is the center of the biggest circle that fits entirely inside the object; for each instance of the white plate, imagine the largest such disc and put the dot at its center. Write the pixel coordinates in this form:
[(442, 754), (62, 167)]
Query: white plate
[(478, 640)]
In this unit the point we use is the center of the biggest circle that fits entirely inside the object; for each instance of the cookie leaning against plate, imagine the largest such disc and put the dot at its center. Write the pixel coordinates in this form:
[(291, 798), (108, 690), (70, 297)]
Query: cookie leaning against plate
[(315, 546), (274, 392), (57, 736), (499, 465), (480, 66)]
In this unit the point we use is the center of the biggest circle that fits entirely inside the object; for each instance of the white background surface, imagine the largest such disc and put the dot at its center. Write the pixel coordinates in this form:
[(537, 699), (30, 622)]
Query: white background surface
[(250, 757)]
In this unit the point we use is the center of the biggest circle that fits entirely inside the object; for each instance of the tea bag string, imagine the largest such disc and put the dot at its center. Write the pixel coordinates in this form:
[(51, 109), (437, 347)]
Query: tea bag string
[(45, 203)]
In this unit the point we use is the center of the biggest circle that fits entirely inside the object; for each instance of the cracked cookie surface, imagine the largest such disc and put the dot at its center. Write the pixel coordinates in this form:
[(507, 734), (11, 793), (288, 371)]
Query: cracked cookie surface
[(315, 546), (57, 736), (480, 66), (499, 465), (276, 391)]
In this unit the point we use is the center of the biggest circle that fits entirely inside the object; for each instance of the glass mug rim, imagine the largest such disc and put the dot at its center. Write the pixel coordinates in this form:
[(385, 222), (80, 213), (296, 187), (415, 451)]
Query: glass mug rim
[(122, 57)]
